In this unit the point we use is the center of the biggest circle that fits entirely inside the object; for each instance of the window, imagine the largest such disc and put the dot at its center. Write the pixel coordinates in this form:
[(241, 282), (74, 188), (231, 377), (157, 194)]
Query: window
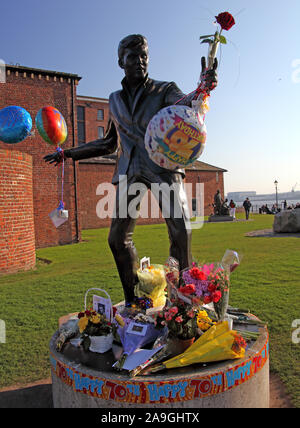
[(100, 132), (217, 177), (81, 125), (100, 114)]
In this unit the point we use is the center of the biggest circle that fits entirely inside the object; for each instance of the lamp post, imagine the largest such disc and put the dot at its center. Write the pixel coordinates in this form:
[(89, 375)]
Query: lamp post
[(276, 184)]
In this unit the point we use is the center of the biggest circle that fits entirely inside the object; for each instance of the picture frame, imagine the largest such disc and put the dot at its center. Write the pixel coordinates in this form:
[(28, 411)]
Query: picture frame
[(137, 328), (102, 306), (144, 263)]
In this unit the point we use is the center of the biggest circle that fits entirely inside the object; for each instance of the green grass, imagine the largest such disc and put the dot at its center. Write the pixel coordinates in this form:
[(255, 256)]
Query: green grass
[(267, 282)]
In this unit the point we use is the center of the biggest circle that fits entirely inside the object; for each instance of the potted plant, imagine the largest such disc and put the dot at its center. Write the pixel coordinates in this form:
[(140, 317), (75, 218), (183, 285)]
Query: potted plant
[(96, 331)]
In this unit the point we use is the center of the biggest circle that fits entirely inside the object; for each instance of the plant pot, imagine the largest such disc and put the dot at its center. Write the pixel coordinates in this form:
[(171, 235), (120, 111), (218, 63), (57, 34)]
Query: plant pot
[(101, 344), (178, 346)]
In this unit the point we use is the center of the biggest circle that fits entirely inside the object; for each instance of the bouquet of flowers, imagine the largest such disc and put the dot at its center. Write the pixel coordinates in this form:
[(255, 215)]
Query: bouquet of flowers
[(181, 320), (218, 343), (152, 284), (96, 331), (135, 332), (209, 283)]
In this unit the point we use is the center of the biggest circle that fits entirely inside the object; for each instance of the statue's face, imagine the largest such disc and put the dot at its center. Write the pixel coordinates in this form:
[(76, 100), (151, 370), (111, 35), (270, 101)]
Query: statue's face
[(135, 63)]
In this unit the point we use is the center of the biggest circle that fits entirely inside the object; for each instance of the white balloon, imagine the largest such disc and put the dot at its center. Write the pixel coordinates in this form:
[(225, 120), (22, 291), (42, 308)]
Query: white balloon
[(175, 137)]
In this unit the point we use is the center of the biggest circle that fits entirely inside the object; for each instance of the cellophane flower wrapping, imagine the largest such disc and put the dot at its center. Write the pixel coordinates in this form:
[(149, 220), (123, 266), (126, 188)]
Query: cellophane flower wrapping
[(152, 284), (219, 343), (211, 282), (131, 341)]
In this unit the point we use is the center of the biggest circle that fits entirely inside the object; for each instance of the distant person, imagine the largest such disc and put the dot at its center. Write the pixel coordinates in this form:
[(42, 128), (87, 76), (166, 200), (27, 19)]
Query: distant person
[(285, 205), (267, 210), (232, 206), (247, 205)]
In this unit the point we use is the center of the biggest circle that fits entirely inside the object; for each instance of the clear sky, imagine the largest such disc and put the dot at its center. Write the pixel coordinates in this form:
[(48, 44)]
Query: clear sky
[(254, 122)]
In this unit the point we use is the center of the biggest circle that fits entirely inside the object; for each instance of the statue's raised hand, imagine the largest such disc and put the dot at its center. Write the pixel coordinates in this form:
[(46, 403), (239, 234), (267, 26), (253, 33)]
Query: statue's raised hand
[(209, 77)]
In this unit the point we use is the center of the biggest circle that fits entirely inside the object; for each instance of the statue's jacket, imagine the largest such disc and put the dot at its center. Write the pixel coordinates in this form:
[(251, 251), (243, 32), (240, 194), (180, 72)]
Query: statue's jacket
[(128, 121)]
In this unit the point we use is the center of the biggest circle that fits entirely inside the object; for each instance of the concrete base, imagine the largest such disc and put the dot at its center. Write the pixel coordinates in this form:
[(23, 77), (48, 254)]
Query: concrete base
[(219, 218), (242, 383)]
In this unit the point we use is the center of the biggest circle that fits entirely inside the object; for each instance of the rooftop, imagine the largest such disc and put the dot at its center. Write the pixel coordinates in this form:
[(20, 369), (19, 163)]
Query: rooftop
[(111, 159)]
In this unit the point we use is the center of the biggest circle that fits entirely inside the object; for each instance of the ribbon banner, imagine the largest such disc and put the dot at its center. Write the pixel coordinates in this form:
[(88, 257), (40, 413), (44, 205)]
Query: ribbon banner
[(141, 392)]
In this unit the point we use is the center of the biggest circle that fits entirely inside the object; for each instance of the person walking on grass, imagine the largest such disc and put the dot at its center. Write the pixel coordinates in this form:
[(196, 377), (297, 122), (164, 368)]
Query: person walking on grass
[(247, 205)]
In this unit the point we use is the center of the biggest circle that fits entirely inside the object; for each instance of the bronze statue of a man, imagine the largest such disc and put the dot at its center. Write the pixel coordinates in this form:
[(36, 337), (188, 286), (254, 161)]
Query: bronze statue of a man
[(131, 109)]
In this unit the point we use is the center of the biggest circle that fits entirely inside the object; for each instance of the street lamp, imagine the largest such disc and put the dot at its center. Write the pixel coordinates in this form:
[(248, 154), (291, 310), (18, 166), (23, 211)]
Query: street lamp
[(276, 184)]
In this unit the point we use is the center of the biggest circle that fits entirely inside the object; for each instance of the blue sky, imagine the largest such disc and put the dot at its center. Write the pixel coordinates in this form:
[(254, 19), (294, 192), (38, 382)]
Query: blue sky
[(253, 125)]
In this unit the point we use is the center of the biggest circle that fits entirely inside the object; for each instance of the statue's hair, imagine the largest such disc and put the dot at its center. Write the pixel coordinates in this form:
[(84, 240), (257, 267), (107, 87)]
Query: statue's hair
[(131, 41)]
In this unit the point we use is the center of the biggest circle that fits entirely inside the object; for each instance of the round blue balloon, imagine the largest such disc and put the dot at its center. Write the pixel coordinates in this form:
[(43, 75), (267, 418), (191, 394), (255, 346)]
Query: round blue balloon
[(15, 124)]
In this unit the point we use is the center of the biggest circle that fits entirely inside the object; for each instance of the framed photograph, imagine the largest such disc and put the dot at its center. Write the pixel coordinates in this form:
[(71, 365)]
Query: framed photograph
[(136, 328), (145, 263), (102, 306)]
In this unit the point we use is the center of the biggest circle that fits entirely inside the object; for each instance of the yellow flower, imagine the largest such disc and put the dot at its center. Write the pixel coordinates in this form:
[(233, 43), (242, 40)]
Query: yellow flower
[(96, 319), (82, 323), (203, 321), (119, 320)]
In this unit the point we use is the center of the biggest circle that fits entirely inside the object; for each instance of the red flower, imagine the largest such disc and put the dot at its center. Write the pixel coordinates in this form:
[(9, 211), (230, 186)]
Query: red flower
[(80, 315), (196, 273), (216, 296), (212, 287), (226, 20), (88, 313), (187, 289), (207, 299)]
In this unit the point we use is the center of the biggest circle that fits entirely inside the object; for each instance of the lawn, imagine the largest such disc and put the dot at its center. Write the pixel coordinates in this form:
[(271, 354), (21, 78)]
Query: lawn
[(267, 282)]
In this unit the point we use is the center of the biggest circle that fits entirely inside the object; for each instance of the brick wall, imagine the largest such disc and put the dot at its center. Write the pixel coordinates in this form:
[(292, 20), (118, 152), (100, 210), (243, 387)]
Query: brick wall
[(33, 89), (17, 238), (91, 106)]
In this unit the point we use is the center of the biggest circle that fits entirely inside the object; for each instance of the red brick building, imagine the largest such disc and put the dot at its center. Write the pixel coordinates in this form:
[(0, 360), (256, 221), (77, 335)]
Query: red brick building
[(86, 119), (33, 89)]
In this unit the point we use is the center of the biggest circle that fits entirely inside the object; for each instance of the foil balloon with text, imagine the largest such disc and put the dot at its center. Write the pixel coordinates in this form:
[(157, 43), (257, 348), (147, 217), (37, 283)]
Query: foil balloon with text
[(175, 137), (15, 124)]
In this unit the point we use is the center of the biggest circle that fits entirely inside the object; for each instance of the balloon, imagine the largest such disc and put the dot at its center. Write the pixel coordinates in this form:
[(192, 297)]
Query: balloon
[(51, 125), (175, 137), (15, 124)]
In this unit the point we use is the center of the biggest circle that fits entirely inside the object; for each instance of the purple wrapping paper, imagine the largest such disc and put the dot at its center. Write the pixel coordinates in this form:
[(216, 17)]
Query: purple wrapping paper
[(131, 341)]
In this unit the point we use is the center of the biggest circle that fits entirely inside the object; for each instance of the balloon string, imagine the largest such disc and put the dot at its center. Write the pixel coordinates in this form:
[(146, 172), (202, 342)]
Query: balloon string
[(58, 149)]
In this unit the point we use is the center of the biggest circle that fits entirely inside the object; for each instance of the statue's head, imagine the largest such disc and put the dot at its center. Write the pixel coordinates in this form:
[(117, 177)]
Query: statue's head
[(133, 56)]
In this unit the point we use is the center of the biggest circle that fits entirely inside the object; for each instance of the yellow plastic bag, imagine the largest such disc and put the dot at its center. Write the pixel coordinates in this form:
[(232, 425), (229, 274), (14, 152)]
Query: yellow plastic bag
[(214, 345), (152, 284)]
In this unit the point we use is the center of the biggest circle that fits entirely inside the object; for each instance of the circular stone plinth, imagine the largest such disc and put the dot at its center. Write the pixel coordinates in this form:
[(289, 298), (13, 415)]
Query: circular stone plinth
[(242, 383)]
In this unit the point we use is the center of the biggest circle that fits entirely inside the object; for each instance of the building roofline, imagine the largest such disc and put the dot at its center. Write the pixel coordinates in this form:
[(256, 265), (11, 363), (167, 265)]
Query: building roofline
[(92, 99), (203, 166), (41, 71), (111, 159)]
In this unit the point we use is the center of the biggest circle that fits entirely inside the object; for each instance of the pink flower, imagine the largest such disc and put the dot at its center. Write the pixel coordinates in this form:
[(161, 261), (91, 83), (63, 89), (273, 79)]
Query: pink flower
[(168, 316), (173, 311), (190, 314), (207, 269), (179, 319)]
